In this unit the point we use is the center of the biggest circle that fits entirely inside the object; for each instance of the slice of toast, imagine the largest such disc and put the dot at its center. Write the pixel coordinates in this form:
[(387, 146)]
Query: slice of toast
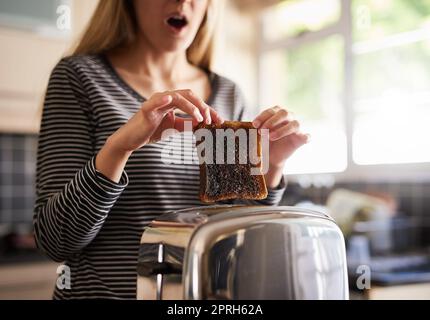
[(227, 180)]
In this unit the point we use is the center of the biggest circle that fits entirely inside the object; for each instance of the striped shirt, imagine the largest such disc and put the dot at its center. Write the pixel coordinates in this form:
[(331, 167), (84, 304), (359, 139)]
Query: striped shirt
[(87, 221)]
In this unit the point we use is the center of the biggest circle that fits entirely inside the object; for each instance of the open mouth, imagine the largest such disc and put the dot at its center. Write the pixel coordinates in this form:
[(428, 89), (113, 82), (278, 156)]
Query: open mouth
[(177, 22)]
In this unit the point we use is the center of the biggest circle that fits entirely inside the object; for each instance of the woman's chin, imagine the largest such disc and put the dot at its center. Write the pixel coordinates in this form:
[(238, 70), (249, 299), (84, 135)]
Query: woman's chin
[(176, 45)]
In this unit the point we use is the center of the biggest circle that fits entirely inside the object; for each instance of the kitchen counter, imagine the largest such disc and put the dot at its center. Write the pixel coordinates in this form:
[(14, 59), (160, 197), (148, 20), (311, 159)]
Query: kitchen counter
[(28, 281), (417, 291)]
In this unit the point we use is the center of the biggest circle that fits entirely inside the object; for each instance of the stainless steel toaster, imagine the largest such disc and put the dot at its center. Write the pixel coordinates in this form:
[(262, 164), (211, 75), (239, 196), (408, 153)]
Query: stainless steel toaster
[(242, 252)]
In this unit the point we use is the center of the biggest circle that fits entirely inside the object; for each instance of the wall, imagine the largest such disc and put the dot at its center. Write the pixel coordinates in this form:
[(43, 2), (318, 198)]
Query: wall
[(17, 177), (26, 61), (236, 45)]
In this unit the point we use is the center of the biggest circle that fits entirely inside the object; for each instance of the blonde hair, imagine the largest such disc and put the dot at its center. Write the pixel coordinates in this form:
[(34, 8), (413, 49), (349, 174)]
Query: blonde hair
[(114, 25)]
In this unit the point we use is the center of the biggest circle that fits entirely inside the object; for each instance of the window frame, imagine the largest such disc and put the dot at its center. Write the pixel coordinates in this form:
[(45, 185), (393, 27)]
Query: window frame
[(343, 27)]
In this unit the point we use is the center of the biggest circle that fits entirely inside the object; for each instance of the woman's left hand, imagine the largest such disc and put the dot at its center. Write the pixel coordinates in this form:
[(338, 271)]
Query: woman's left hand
[(284, 135)]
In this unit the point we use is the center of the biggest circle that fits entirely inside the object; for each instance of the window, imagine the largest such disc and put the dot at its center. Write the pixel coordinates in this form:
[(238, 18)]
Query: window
[(40, 15), (357, 73), (391, 81), (300, 75), (292, 18)]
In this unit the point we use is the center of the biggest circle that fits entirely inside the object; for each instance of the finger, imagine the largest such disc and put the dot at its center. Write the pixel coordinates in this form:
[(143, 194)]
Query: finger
[(305, 137), (181, 124), (216, 117), (158, 101), (266, 114), (283, 131), (279, 117), (199, 103), (299, 139), (181, 116), (183, 104)]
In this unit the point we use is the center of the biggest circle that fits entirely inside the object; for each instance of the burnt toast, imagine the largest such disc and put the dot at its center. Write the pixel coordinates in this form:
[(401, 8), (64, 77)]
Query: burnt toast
[(227, 181)]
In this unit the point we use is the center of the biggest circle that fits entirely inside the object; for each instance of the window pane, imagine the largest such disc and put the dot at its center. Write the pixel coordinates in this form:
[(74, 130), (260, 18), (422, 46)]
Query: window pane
[(308, 81), (392, 106), (404, 68), (375, 19), (291, 18), (29, 14)]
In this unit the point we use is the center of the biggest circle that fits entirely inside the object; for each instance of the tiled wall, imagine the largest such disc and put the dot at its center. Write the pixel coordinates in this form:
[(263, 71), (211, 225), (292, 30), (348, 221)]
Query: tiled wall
[(413, 198), (413, 201), (17, 171)]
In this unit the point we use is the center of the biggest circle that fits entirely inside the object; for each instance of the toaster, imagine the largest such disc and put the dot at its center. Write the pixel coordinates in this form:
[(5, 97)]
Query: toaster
[(233, 252)]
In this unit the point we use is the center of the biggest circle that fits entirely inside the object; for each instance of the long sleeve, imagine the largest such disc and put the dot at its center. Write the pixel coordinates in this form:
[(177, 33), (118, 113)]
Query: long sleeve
[(73, 199), (275, 195)]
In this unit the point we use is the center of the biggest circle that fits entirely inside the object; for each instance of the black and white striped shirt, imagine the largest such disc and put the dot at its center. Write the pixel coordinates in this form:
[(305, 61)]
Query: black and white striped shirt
[(82, 218)]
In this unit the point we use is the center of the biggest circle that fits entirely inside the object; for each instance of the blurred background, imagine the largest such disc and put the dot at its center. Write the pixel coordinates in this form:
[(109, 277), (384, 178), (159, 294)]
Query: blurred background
[(355, 72)]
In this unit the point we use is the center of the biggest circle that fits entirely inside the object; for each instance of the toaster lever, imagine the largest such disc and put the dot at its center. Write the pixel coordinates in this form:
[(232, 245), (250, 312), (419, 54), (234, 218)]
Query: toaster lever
[(147, 269), (159, 258), (159, 275)]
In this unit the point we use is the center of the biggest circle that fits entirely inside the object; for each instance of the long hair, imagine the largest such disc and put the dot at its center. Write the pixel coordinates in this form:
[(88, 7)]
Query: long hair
[(114, 25)]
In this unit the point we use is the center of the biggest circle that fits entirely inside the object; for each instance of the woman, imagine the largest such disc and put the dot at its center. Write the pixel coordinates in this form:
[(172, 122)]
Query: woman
[(100, 179)]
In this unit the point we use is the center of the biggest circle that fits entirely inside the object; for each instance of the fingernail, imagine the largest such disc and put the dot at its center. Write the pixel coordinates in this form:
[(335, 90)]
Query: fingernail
[(199, 118), (208, 120), (256, 124)]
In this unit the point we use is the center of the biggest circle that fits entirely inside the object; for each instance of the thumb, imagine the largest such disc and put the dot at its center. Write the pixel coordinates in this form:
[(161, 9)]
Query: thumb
[(300, 139)]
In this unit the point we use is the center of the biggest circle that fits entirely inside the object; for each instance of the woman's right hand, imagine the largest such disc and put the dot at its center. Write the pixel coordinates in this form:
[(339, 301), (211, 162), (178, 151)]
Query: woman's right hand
[(147, 126), (158, 114)]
